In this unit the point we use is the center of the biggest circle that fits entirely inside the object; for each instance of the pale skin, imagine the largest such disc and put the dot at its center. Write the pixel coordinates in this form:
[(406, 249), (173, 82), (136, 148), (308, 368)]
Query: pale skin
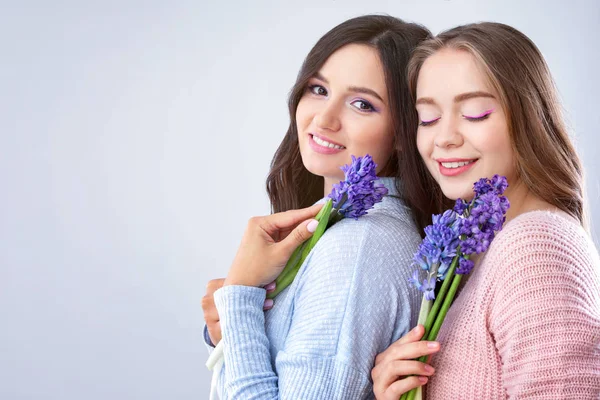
[(461, 119), (346, 104)]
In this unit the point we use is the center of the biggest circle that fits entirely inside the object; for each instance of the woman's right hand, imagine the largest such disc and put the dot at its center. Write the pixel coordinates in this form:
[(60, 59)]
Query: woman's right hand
[(394, 367)]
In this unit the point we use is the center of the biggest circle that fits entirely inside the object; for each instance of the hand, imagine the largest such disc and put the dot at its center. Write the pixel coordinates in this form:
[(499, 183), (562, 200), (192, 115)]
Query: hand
[(267, 245), (392, 367), (211, 315)]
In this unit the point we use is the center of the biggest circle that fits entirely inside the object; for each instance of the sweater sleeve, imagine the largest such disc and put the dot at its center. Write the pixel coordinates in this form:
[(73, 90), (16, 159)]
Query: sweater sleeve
[(351, 300), (545, 312)]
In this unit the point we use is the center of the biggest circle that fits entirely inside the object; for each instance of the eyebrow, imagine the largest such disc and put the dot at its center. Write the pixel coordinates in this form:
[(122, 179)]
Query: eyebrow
[(458, 98), (356, 89)]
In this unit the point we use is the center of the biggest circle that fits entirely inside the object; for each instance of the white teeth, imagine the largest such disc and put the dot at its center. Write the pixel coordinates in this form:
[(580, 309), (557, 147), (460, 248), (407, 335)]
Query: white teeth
[(455, 164), (326, 144)]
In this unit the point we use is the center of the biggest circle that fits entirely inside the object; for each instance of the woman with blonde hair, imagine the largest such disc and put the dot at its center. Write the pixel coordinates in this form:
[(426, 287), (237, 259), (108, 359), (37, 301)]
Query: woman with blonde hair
[(526, 324)]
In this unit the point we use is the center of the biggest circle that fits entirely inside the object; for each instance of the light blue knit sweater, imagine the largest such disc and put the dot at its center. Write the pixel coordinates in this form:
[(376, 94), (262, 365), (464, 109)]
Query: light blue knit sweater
[(349, 301)]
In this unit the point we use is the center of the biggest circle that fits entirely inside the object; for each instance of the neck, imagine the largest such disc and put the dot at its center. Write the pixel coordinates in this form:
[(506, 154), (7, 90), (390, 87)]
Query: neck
[(522, 200), (329, 182)]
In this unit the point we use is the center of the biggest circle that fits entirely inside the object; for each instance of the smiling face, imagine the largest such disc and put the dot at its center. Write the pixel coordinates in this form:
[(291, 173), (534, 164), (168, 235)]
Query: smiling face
[(343, 112), (463, 132)]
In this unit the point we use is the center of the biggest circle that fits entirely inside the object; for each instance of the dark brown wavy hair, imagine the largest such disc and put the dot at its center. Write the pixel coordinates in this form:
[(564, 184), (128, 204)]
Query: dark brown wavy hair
[(546, 160), (290, 185)]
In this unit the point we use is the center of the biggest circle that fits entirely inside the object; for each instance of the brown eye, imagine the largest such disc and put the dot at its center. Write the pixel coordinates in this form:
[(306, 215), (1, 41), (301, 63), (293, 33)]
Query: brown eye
[(363, 105), (318, 90)]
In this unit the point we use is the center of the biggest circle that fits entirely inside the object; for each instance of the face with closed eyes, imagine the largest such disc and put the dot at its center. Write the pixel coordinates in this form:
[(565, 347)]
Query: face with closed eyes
[(463, 132), (343, 112)]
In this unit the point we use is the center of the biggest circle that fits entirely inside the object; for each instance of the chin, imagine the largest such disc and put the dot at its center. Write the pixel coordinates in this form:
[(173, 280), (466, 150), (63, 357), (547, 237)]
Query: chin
[(320, 167), (453, 193)]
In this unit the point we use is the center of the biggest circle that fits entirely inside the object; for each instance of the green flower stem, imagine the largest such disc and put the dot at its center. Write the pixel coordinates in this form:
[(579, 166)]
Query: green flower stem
[(438, 302), (299, 255), (291, 265), (413, 393), (323, 222), (444, 310), (425, 310)]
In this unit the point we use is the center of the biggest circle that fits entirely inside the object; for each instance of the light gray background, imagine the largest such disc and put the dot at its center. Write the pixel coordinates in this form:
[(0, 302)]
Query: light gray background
[(135, 138)]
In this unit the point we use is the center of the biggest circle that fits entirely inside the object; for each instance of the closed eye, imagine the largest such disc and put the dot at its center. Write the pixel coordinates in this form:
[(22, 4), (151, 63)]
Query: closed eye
[(430, 122), (480, 117)]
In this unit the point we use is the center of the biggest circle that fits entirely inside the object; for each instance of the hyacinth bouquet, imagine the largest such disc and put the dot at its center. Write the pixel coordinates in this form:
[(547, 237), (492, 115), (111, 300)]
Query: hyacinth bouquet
[(444, 254), (351, 198)]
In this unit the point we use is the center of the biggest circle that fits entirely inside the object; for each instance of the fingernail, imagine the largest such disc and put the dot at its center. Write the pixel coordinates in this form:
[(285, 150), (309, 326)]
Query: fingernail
[(270, 286), (312, 225), (268, 303), (433, 345), (428, 368), (423, 379)]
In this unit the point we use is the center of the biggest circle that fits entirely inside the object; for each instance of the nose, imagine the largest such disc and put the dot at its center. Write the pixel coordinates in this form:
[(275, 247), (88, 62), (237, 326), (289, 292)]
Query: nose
[(448, 134), (328, 117)]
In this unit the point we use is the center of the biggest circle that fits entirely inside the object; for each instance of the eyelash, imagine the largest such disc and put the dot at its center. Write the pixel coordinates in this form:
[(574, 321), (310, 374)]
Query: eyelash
[(312, 88), (428, 123), (477, 119), (470, 119), (369, 108)]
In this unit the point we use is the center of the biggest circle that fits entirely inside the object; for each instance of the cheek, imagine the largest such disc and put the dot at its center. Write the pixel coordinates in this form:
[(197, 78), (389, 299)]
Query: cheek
[(423, 144), (303, 112), (497, 146), (376, 139)]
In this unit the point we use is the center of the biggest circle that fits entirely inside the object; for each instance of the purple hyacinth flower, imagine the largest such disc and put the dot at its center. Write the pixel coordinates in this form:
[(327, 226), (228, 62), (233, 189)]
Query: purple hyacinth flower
[(414, 280), (428, 288), (358, 192), (460, 206), (499, 183), (482, 186), (464, 266)]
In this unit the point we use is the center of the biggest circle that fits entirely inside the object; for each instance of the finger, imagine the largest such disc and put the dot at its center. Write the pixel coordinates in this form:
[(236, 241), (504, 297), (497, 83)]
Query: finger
[(402, 386), (271, 287), (287, 220), (214, 332), (391, 371), (413, 335), (208, 307), (386, 374), (268, 304), (214, 285), (298, 236), (412, 350), (407, 346)]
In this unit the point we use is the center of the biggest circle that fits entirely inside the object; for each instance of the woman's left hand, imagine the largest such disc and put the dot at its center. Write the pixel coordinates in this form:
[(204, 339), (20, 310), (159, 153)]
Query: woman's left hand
[(267, 245)]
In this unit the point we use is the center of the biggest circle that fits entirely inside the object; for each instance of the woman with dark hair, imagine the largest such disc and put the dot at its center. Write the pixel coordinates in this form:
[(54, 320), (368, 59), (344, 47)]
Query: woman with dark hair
[(350, 300), (526, 324)]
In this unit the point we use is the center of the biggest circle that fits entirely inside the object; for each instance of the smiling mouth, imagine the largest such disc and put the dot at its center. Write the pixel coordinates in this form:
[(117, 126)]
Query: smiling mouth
[(456, 164), (325, 143), (455, 167)]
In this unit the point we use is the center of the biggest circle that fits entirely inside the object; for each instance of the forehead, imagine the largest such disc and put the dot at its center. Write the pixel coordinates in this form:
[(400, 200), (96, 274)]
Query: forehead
[(450, 72), (355, 65)]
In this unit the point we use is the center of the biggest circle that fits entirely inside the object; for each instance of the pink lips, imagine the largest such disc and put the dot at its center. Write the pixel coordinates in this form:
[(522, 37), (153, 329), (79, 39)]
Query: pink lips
[(454, 171), (322, 149)]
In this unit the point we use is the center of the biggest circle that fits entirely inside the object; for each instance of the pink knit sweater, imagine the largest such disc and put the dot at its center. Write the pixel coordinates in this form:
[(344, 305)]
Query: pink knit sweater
[(526, 325)]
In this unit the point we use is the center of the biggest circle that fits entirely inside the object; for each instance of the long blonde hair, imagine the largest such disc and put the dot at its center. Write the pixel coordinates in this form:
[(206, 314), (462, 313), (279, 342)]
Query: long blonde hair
[(546, 159)]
